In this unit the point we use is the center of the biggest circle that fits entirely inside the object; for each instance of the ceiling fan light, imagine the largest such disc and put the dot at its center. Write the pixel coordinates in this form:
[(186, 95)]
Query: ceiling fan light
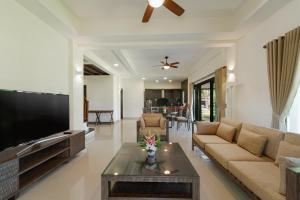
[(166, 67), (156, 3)]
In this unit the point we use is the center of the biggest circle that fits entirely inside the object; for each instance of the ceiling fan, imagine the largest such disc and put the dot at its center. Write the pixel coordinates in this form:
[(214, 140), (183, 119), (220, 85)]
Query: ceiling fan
[(169, 4), (165, 65)]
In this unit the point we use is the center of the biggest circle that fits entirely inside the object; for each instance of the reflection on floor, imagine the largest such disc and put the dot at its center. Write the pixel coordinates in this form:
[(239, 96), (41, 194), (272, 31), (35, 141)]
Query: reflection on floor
[(80, 179)]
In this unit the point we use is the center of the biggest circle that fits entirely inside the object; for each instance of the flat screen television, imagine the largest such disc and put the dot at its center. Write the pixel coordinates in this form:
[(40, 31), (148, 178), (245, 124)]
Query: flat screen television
[(28, 116)]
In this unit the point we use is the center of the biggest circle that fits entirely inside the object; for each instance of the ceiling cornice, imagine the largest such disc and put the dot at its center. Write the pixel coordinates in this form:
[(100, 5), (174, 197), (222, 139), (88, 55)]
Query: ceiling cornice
[(123, 61)]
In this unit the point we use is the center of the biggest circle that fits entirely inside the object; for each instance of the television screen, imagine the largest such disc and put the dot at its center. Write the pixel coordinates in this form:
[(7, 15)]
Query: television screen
[(26, 116)]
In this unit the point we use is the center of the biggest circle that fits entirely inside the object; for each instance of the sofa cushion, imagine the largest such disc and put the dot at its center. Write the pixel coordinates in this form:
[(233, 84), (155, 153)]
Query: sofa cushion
[(287, 150), (207, 128), (273, 138), (262, 178), (252, 142), (202, 140), (293, 138), (226, 132), (236, 124), (224, 153), (162, 123), (153, 130)]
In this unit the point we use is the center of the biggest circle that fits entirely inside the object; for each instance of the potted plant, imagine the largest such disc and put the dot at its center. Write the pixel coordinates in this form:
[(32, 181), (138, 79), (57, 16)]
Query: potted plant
[(151, 144)]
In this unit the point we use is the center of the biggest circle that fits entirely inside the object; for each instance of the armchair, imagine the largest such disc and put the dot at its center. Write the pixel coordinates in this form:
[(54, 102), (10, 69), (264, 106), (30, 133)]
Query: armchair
[(155, 123)]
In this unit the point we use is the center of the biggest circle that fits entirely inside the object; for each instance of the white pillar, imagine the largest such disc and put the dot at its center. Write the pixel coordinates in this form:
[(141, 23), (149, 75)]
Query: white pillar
[(76, 87), (231, 96)]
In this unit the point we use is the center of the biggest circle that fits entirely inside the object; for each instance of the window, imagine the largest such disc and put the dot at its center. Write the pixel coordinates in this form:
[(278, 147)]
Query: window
[(205, 101), (293, 120)]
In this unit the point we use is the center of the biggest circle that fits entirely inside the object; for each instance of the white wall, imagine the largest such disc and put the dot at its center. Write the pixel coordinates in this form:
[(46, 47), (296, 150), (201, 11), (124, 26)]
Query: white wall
[(252, 92), (294, 115), (250, 96), (33, 57), (162, 85), (133, 97), (231, 89), (213, 60), (99, 94), (117, 97), (103, 93)]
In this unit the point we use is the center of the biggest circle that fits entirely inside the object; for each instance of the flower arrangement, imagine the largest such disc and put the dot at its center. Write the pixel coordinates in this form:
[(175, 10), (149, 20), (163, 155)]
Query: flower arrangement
[(151, 144)]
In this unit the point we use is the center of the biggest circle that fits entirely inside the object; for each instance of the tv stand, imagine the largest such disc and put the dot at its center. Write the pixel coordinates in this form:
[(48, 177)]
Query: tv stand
[(36, 161)]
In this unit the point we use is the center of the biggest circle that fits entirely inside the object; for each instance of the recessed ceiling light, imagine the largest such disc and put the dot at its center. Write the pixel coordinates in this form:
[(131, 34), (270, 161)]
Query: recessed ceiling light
[(116, 65), (143, 78), (156, 81), (116, 173), (170, 81), (165, 78)]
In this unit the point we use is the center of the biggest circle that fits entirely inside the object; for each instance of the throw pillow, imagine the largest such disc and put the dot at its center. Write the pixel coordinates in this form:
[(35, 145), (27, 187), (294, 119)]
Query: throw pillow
[(252, 142), (226, 132), (284, 163), (152, 121), (287, 150), (207, 128)]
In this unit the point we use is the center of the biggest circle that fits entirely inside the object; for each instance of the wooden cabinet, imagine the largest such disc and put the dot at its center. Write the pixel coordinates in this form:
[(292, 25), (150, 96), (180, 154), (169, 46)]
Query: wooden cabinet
[(77, 143), (18, 172), (174, 96)]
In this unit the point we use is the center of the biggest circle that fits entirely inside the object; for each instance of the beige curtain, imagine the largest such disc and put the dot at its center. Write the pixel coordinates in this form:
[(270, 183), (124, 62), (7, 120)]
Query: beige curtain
[(282, 55), (221, 80), (190, 100)]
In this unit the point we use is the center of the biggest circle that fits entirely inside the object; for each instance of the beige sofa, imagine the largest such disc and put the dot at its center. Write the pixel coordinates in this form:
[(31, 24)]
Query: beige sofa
[(155, 123), (248, 153)]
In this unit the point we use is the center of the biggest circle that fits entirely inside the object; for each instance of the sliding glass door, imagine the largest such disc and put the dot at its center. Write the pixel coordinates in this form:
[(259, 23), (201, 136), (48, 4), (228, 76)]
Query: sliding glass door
[(205, 101)]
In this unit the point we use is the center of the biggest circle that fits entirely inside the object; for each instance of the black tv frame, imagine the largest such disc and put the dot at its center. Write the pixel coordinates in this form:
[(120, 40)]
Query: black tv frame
[(37, 140)]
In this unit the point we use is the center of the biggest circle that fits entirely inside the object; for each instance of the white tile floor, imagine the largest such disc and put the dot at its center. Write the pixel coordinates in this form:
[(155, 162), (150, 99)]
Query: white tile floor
[(80, 178)]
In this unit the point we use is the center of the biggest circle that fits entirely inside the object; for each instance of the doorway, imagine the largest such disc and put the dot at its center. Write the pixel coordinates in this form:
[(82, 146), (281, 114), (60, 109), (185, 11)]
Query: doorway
[(85, 105), (205, 101)]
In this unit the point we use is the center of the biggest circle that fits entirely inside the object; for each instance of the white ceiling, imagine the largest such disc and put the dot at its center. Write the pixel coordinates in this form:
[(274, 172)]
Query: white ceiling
[(110, 31), (135, 8), (143, 60)]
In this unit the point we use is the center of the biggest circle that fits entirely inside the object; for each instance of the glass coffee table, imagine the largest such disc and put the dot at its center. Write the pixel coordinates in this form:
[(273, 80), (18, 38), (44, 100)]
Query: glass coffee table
[(129, 176)]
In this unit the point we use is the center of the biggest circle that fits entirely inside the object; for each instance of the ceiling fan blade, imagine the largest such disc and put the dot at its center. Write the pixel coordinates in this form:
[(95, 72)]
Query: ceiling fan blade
[(175, 63), (147, 14), (174, 7), (162, 62), (174, 66)]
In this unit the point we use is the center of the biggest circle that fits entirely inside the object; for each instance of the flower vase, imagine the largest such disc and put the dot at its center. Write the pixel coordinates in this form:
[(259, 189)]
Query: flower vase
[(151, 157)]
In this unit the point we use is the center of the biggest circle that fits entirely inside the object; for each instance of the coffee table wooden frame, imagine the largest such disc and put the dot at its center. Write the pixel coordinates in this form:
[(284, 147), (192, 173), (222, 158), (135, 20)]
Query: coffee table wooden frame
[(105, 185), (106, 181)]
